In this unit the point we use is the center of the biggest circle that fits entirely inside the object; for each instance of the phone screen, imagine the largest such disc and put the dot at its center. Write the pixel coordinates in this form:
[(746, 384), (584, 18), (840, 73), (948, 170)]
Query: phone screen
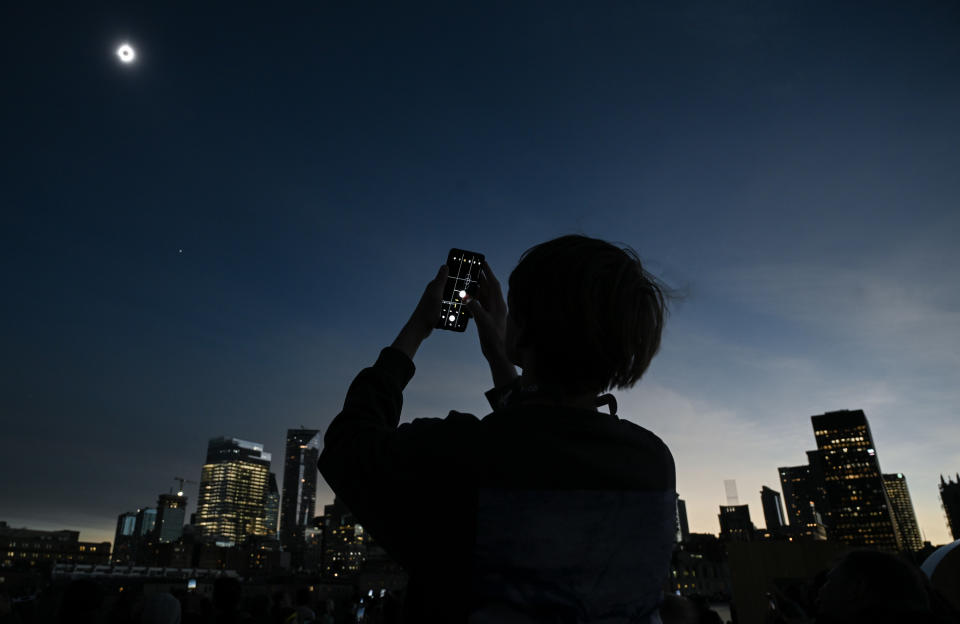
[(463, 279)]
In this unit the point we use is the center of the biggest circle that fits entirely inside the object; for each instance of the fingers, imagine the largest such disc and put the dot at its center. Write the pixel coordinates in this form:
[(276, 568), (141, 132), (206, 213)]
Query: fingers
[(478, 313), (488, 273), (490, 288), (438, 281)]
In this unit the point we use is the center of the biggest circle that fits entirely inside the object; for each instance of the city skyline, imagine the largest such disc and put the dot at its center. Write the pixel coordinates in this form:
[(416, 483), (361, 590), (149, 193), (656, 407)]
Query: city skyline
[(832, 430), (217, 237)]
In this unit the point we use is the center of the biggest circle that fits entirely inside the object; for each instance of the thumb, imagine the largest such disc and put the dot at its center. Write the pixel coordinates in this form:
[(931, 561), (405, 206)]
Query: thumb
[(476, 310)]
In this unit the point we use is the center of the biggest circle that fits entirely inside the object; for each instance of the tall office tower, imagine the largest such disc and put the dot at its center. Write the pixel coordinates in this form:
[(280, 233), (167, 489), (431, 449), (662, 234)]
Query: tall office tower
[(772, 509), (272, 507), (860, 513), (124, 540), (682, 525), (796, 485), (171, 509), (146, 522), (899, 496), (299, 485), (950, 498), (233, 491), (735, 523)]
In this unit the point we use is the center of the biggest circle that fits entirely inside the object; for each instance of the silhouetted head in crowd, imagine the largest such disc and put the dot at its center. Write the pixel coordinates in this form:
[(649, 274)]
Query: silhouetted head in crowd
[(303, 596), (872, 586), (584, 316), (160, 608), (678, 610), (81, 601), (226, 594)]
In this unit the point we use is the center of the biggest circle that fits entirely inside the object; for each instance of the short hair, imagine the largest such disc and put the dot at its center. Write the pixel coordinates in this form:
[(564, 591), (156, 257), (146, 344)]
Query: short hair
[(590, 312)]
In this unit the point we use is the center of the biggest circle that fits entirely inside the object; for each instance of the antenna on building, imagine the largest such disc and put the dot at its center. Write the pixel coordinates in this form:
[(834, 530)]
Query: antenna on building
[(730, 486)]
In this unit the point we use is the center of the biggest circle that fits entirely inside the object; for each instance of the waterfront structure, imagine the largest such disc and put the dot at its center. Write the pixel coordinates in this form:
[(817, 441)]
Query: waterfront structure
[(233, 491)]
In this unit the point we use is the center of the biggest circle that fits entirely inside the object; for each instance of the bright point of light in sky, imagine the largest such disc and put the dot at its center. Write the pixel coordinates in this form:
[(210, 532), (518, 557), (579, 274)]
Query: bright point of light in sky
[(125, 53)]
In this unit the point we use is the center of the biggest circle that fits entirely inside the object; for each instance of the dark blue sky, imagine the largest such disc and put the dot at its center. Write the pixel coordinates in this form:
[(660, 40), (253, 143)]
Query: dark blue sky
[(791, 167)]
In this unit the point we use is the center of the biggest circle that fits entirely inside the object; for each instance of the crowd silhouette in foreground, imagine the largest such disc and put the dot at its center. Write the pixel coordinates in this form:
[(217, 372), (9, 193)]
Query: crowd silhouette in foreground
[(863, 587)]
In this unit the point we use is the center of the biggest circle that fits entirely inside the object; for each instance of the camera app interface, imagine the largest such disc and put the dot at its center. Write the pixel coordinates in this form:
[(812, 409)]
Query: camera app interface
[(462, 283)]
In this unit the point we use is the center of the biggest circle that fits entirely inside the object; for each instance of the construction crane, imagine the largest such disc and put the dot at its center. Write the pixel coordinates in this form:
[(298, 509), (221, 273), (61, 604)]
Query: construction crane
[(182, 481)]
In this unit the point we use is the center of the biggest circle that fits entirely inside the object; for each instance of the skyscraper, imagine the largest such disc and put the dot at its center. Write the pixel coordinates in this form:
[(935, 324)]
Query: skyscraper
[(233, 490), (950, 498), (735, 523), (171, 509), (682, 525), (859, 512), (125, 539), (899, 496), (772, 509), (299, 486), (146, 523), (797, 485), (272, 507)]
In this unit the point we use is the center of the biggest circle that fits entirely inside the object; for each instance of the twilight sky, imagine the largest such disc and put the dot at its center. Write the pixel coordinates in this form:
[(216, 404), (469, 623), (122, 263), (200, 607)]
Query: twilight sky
[(790, 167)]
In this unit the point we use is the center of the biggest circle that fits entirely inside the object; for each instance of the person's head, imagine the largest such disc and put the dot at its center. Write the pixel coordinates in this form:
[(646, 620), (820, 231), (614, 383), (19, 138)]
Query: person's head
[(584, 315), (304, 597), (866, 583), (227, 592), (81, 601)]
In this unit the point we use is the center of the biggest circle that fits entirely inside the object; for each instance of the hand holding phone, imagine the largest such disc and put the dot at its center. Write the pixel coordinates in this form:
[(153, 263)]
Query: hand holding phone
[(463, 281)]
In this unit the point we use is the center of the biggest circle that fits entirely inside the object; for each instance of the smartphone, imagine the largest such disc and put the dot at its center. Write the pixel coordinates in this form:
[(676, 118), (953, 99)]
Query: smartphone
[(192, 584), (463, 279)]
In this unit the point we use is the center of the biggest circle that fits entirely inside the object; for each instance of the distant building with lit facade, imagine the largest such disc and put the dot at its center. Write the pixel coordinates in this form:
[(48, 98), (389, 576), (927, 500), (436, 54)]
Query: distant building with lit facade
[(298, 506), (272, 507), (29, 548), (344, 542), (903, 513), (171, 509), (735, 523), (772, 509), (950, 499), (699, 567), (859, 512), (125, 538), (233, 491)]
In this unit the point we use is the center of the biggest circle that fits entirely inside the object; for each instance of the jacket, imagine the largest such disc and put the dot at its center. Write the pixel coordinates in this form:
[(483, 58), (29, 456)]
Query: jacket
[(554, 514)]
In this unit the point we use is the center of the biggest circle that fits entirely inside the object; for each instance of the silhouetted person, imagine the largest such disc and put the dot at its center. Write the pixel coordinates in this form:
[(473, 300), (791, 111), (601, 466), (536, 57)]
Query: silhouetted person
[(81, 602), (160, 608), (872, 587), (705, 615), (547, 509), (227, 592), (305, 612), (678, 610)]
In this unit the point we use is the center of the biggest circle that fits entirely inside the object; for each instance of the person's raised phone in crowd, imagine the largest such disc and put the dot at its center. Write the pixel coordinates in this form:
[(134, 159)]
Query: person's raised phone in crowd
[(546, 509)]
